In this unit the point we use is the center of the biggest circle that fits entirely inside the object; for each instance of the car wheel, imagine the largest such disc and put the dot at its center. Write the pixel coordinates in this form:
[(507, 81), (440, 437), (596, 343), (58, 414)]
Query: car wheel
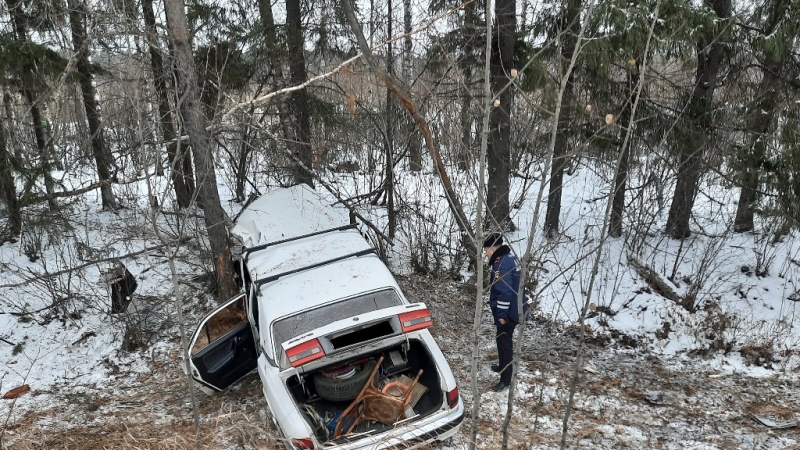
[(343, 389)]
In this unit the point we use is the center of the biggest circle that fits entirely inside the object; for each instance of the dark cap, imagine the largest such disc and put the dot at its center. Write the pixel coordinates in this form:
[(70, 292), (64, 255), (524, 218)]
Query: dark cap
[(493, 240)]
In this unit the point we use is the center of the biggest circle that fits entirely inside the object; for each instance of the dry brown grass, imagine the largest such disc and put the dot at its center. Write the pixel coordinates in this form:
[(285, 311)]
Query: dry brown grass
[(246, 433), (771, 410)]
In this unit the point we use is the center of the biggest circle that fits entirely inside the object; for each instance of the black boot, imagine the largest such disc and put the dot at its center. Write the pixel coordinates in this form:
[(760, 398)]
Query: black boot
[(501, 385)]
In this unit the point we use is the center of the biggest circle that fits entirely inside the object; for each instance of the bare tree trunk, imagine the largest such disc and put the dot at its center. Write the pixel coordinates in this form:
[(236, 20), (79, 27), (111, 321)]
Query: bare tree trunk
[(500, 118), (621, 177), (695, 135), (241, 161), (21, 32), (301, 113), (761, 120), (465, 117), (275, 71), (409, 130), (195, 123), (8, 187), (389, 140), (41, 144), (182, 184), (80, 44), (760, 125), (571, 27), (467, 65)]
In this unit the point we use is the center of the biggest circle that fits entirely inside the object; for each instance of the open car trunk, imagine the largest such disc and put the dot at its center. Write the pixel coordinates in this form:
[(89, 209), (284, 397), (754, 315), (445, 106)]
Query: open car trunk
[(401, 363)]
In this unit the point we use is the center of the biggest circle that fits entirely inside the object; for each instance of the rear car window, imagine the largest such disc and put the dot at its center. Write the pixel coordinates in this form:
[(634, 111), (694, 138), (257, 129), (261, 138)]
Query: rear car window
[(306, 321)]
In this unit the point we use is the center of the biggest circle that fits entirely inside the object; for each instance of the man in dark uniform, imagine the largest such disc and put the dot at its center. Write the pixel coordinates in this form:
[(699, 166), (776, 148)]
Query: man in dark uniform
[(122, 284), (504, 277)]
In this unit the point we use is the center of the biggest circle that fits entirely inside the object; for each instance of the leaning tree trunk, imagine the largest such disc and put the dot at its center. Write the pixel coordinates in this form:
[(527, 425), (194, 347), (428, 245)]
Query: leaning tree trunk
[(80, 44), (694, 137), (467, 235), (8, 187), (572, 27), (301, 113), (182, 185), (499, 159), (200, 141)]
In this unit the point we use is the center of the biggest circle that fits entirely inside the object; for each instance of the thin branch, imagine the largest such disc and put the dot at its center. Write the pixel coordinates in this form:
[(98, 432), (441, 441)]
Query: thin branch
[(604, 237), (258, 101), (478, 316)]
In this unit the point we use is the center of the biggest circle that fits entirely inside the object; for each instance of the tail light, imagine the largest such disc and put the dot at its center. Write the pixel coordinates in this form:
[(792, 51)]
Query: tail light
[(305, 353), (415, 320), (452, 398), (303, 443)]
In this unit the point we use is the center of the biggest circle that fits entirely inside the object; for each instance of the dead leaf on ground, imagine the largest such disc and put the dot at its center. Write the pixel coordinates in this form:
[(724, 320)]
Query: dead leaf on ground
[(17, 391)]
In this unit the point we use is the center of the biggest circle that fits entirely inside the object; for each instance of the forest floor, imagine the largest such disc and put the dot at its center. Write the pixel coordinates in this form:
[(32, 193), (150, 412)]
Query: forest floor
[(692, 404)]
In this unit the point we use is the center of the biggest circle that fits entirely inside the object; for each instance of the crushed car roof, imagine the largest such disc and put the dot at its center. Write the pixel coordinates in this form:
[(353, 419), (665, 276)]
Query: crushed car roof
[(304, 253), (326, 284), (293, 271), (287, 212)]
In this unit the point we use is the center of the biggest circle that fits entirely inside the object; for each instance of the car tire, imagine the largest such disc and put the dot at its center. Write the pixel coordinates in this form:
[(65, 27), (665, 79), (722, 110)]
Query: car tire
[(343, 389)]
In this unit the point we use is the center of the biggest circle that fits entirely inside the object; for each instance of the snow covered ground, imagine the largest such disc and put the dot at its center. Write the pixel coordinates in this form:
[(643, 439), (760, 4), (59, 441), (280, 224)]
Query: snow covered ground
[(733, 356)]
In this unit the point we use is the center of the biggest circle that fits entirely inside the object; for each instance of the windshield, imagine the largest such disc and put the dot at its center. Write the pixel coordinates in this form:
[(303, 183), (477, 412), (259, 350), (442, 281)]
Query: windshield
[(306, 321)]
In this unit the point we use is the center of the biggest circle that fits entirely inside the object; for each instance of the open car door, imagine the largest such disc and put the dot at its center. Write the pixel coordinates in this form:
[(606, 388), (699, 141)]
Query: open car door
[(222, 349)]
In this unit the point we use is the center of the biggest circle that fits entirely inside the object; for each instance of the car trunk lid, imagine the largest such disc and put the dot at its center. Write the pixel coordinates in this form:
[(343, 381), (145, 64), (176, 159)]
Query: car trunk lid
[(328, 343)]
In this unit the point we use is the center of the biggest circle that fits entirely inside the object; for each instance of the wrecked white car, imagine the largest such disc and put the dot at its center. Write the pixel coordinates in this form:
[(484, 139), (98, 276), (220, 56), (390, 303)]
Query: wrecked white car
[(345, 360)]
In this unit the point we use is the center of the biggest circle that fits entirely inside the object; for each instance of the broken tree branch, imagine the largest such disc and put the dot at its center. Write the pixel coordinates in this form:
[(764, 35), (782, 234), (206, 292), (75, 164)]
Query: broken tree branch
[(467, 235)]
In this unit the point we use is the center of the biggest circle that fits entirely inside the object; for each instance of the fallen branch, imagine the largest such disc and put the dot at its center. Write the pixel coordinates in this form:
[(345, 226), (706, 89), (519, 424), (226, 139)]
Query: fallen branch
[(653, 279), (73, 193), (35, 276)]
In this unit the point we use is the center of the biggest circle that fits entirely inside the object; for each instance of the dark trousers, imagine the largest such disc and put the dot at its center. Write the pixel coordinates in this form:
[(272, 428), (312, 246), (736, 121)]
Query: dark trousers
[(505, 349), (121, 292)]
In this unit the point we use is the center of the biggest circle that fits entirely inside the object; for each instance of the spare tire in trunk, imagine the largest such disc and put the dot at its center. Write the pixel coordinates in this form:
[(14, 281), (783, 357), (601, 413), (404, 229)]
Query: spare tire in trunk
[(342, 389)]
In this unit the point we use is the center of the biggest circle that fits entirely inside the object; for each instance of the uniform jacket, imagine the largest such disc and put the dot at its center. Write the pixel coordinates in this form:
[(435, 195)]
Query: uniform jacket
[(504, 277)]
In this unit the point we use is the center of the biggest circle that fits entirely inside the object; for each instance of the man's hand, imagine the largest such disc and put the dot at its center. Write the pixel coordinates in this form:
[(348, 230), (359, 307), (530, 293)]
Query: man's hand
[(502, 321)]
